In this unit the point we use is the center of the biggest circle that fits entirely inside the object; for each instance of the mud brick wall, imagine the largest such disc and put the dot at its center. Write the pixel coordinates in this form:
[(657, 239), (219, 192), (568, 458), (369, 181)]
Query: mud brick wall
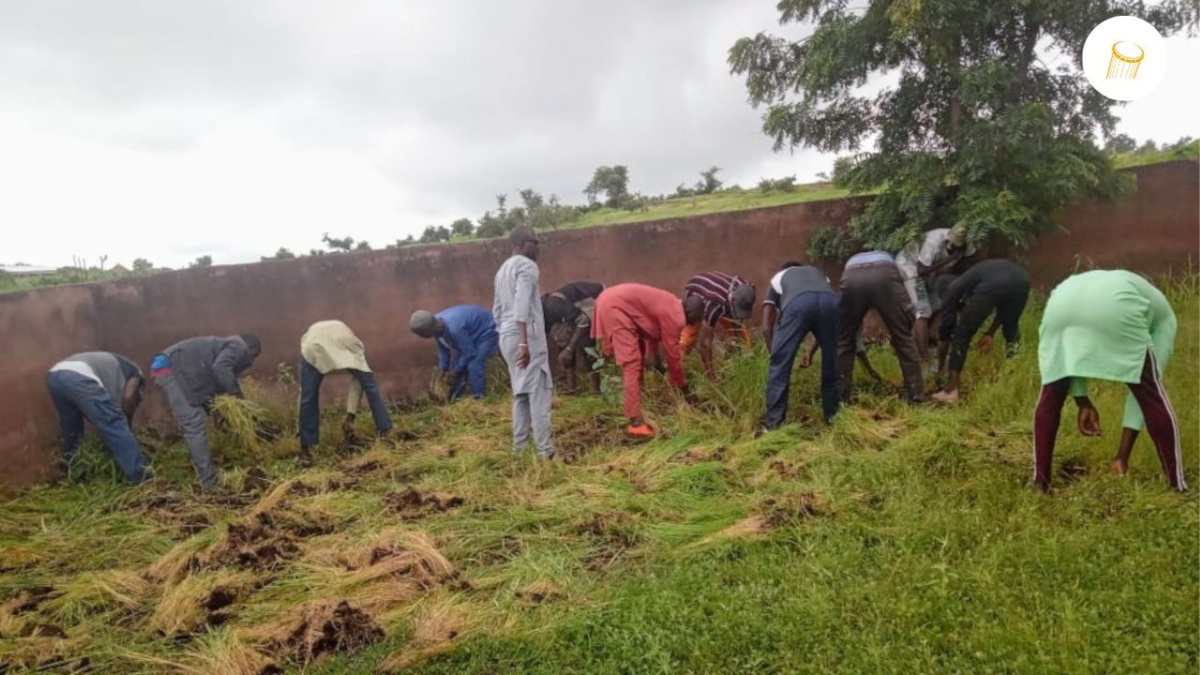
[(1155, 230)]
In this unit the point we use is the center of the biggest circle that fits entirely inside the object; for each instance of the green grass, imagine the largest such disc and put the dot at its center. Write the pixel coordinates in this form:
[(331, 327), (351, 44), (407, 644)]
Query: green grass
[(1128, 160), (733, 200), (900, 539)]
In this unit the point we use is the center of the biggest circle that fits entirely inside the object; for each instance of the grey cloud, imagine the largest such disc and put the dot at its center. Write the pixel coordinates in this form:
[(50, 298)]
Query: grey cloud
[(453, 102)]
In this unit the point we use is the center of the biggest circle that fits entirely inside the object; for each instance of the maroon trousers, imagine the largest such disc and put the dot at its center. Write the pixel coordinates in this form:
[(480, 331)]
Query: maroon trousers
[(1156, 409)]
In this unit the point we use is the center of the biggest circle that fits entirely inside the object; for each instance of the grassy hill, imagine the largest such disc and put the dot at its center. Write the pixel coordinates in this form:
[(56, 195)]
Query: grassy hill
[(901, 539), (741, 199)]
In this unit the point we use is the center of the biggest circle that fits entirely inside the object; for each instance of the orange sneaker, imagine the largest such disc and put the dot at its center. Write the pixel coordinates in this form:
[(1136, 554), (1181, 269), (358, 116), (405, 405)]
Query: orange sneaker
[(641, 431)]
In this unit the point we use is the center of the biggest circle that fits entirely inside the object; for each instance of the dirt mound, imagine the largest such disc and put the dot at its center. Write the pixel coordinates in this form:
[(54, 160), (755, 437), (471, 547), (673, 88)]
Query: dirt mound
[(42, 630), (411, 504), (1072, 469), (793, 509), (326, 628), (301, 526), (29, 599), (256, 480), (251, 545), (217, 603), (787, 470), (613, 533), (603, 431)]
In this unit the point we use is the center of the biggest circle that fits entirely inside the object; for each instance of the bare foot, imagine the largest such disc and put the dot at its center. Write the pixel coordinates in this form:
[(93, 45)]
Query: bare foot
[(946, 396), (1118, 467), (1041, 488)]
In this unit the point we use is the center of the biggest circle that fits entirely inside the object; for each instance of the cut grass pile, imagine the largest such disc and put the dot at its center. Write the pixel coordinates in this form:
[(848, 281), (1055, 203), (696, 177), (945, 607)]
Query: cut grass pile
[(900, 539)]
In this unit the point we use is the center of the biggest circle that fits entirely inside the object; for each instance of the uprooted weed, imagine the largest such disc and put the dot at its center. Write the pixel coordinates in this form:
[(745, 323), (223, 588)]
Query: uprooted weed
[(390, 557)]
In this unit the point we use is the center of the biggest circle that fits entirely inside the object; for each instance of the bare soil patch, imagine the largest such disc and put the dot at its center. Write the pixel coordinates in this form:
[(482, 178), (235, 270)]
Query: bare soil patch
[(328, 628)]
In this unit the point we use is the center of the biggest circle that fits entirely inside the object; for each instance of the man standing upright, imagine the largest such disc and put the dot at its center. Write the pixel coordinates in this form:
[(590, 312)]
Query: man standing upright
[(633, 320), (192, 373), (728, 301), (466, 339), (520, 323), (105, 389), (800, 295)]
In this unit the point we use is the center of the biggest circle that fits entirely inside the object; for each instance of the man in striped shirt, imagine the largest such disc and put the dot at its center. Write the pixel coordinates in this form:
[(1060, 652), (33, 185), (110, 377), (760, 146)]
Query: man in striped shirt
[(728, 302)]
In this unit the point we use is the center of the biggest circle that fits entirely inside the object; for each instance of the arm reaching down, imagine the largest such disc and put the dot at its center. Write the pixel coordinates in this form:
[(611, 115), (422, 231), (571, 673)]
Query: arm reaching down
[(225, 368)]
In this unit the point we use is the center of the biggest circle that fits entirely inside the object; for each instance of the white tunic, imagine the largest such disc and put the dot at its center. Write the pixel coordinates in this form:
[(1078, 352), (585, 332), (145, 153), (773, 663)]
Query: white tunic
[(519, 299)]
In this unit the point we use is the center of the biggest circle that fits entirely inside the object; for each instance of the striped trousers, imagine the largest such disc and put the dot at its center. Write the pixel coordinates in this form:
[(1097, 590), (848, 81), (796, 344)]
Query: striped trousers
[(1151, 397)]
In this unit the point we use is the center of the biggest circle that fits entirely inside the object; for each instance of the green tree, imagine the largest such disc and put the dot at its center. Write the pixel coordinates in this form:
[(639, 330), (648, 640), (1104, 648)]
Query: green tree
[(977, 126), (202, 261), (709, 183), (463, 227), (363, 246), (142, 266), (281, 254), (1180, 145), (432, 234), (612, 182), (840, 176), (343, 245), (1120, 143)]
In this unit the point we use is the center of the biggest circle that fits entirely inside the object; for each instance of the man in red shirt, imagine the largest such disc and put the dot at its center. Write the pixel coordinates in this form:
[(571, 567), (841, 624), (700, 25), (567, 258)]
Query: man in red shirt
[(633, 321)]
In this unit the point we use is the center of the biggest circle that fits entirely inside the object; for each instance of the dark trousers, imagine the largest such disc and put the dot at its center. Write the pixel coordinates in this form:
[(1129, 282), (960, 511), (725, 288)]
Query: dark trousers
[(1008, 303), (1156, 409), (310, 402), (878, 286), (816, 313), (77, 397)]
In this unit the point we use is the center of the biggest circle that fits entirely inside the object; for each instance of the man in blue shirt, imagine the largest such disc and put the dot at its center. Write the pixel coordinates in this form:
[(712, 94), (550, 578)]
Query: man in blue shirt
[(466, 339)]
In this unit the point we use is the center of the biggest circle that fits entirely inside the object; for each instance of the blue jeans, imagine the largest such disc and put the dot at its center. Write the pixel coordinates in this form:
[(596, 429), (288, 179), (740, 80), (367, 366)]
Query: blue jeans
[(475, 374), (817, 313), (310, 402), (78, 397)]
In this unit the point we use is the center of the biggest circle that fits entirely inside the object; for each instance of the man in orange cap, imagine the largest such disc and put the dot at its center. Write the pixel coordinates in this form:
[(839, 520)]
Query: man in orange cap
[(633, 320)]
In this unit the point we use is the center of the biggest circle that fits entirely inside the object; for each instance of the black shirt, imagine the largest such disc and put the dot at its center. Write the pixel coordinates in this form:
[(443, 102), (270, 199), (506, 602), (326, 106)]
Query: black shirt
[(581, 290), (997, 277), (556, 310)]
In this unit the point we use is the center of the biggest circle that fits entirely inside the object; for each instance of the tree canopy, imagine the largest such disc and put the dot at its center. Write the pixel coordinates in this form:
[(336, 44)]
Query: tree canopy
[(613, 182), (973, 123)]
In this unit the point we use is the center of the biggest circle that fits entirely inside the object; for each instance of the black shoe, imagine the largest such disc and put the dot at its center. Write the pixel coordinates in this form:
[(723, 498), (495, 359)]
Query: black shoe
[(305, 458)]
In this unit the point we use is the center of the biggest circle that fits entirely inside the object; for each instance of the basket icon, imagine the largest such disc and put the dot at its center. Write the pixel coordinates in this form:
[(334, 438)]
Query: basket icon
[(1124, 62)]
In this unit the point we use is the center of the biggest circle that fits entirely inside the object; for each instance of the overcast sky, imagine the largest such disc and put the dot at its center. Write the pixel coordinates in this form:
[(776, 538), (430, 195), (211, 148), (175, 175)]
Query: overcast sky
[(173, 129)]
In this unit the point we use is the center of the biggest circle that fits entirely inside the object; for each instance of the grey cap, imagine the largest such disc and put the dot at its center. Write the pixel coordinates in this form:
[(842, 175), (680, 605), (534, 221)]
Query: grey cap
[(743, 302), (423, 323)]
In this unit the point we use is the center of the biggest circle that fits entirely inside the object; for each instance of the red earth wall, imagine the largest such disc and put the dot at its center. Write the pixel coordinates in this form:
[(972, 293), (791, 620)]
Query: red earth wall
[(1155, 230)]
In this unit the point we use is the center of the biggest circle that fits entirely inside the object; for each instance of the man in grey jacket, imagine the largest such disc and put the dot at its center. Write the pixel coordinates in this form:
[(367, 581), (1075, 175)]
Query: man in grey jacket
[(192, 373), (519, 321)]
